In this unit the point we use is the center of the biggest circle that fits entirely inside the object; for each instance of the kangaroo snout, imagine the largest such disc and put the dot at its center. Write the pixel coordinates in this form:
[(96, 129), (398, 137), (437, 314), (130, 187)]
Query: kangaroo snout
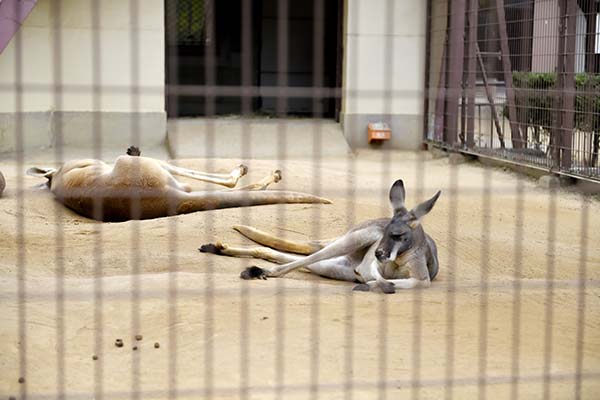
[(380, 255)]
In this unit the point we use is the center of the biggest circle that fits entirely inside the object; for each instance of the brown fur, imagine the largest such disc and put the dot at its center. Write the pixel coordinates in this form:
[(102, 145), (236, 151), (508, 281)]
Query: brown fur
[(142, 188)]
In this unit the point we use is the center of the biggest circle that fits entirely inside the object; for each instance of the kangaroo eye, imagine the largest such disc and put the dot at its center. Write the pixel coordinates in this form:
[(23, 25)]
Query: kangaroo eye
[(397, 238)]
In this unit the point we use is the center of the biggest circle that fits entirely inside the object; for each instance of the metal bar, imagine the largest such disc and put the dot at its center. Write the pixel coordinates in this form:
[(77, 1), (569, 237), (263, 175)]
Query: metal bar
[(472, 71), (590, 35), (426, 85), (490, 98), (517, 141), (556, 134), (568, 107), (440, 101), (456, 31)]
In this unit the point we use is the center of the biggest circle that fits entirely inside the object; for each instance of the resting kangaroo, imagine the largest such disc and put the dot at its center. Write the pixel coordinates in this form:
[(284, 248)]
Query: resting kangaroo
[(141, 188), (388, 253)]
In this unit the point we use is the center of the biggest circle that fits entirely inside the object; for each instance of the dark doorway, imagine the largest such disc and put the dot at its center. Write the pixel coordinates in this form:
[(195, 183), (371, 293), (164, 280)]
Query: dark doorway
[(186, 61)]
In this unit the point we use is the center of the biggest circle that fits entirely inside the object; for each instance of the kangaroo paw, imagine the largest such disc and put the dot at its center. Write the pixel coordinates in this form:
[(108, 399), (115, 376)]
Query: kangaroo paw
[(363, 287), (276, 175), (243, 169), (212, 248), (254, 272), (134, 151), (387, 287)]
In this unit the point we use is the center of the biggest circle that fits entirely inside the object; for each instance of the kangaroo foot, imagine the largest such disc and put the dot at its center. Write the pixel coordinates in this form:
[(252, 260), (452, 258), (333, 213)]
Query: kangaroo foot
[(276, 175), (134, 151), (240, 170), (253, 272), (212, 248), (387, 287), (363, 287)]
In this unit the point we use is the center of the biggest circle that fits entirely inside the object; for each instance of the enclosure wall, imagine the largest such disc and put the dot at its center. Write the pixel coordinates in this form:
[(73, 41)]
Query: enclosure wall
[(69, 48), (379, 40)]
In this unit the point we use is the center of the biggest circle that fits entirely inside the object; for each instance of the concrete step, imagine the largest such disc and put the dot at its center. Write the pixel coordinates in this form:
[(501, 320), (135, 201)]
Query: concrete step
[(260, 138)]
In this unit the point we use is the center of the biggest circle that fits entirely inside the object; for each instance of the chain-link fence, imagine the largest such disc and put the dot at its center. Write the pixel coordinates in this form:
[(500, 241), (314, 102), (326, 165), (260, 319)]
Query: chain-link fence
[(522, 80)]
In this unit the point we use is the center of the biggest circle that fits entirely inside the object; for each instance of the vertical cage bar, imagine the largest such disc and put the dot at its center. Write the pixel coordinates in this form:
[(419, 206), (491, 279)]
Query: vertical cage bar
[(351, 58), (21, 262), (98, 202), (456, 31), (281, 112), (246, 111), (210, 81), (56, 10), (318, 35)]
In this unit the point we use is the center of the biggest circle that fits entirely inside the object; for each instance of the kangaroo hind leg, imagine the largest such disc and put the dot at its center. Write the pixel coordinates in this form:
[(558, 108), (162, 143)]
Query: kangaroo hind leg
[(273, 177), (278, 243), (343, 246), (229, 180), (261, 252)]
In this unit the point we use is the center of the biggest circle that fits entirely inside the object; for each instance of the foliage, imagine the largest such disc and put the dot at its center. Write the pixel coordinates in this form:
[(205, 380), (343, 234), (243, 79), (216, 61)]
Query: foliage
[(538, 99)]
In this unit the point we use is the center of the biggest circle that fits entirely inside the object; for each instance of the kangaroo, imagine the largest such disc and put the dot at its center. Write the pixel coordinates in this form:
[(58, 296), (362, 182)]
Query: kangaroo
[(385, 253), (138, 187)]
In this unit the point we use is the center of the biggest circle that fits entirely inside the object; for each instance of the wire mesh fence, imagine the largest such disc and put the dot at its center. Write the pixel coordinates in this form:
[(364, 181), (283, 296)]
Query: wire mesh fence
[(320, 274), (521, 78)]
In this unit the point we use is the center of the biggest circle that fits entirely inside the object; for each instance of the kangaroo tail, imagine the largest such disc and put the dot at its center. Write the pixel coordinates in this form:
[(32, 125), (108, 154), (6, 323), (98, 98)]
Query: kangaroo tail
[(202, 201), (277, 243)]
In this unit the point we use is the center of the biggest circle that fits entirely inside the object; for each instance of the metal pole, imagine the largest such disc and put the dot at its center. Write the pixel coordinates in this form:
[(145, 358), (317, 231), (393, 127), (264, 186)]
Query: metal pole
[(455, 68), (556, 133), (472, 71), (440, 101), (517, 141), (490, 98), (568, 107)]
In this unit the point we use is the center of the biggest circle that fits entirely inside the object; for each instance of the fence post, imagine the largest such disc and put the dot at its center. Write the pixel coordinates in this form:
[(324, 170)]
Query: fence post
[(590, 35), (568, 90), (490, 98), (455, 68), (557, 100), (440, 100), (517, 141), (472, 71)]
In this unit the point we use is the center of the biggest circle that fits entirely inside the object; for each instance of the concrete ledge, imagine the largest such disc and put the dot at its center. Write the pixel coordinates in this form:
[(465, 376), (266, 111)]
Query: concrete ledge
[(407, 130), (245, 138), (41, 129), (34, 127)]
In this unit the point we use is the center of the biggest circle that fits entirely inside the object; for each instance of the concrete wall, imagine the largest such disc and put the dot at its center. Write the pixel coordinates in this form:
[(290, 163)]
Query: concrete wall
[(546, 35), (369, 50), (66, 56)]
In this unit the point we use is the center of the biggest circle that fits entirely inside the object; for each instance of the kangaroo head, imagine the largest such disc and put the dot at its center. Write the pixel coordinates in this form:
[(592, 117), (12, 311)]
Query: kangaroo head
[(404, 228), (47, 173)]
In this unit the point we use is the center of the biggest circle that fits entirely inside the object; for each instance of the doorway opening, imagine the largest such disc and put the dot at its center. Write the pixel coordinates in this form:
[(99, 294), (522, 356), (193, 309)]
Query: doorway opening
[(187, 45)]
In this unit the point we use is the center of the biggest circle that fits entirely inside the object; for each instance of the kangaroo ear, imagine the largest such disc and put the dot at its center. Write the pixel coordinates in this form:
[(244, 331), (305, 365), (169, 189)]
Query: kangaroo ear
[(422, 209), (397, 196), (41, 172)]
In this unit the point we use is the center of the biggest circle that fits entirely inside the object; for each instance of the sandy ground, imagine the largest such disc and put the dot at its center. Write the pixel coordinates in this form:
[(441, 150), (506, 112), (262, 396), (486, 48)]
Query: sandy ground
[(86, 284)]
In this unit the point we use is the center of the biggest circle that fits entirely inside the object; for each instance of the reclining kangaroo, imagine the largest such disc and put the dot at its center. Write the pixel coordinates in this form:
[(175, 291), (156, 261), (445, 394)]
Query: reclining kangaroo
[(377, 253), (140, 188)]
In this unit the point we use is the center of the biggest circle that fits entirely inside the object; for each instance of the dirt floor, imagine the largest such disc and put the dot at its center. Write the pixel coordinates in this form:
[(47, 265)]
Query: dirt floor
[(488, 323)]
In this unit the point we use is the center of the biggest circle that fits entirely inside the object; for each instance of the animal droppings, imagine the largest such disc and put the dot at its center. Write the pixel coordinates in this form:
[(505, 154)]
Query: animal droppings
[(156, 345), (94, 357), (119, 342), (138, 337), (134, 348), (21, 380)]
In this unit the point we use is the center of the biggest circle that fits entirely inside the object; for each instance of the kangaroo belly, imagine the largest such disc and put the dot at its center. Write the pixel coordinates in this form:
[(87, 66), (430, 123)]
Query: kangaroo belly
[(116, 208), (129, 190)]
